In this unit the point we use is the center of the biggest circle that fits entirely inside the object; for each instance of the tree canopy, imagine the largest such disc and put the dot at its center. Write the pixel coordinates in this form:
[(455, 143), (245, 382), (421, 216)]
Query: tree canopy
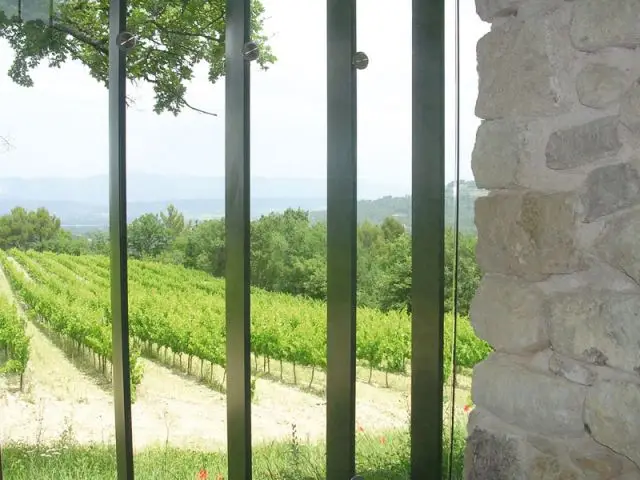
[(173, 37), (288, 252), (38, 230)]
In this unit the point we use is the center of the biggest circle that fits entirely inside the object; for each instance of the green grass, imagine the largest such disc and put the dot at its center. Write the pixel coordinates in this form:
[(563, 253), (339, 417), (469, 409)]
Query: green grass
[(379, 457)]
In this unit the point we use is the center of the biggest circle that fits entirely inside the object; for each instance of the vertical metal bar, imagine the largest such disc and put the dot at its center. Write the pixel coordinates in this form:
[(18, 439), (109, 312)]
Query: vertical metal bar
[(428, 187), (237, 219), (341, 238), (118, 234)]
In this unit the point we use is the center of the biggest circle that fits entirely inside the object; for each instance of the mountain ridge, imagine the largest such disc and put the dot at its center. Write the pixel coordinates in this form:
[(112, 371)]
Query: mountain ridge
[(81, 211)]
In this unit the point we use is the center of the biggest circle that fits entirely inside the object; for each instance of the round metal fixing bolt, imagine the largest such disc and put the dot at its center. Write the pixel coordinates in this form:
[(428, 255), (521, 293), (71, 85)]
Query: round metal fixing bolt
[(250, 51), (126, 41), (360, 60)]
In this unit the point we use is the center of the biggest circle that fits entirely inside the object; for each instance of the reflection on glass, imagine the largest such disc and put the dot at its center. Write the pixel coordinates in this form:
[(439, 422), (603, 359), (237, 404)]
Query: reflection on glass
[(57, 266), (288, 250), (57, 418), (28, 10), (384, 241)]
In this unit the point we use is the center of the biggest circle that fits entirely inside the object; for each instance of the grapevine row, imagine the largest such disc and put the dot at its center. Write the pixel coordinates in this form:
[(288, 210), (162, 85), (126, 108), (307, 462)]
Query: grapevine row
[(64, 306), (13, 340), (184, 311)]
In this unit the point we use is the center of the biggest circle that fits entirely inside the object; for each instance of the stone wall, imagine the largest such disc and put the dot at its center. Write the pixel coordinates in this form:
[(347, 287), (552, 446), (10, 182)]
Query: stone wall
[(558, 242)]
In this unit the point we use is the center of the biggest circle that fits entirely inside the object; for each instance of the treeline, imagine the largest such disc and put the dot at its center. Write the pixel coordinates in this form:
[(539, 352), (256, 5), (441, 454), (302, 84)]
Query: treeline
[(288, 252)]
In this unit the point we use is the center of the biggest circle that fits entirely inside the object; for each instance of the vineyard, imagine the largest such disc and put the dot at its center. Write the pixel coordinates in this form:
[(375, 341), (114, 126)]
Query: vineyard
[(13, 340), (177, 313)]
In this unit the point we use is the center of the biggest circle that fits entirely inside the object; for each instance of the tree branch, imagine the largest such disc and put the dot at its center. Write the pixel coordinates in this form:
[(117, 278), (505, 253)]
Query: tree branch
[(102, 47), (184, 34), (81, 37), (5, 144), (186, 104)]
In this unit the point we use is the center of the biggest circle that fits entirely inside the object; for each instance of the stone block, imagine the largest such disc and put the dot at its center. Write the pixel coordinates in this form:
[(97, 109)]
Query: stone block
[(487, 10), (527, 234), (493, 456), (571, 369), (497, 154), (610, 189), (599, 85), (598, 24), (630, 108), (596, 462), (611, 414), (521, 71), (497, 451), (629, 475), (619, 244), (545, 467), (534, 401), (539, 8), (583, 144), (597, 327), (509, 314)]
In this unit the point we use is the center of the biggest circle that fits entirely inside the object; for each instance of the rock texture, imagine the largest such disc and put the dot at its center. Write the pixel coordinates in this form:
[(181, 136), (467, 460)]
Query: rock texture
[(583, 144), (521, 71), (600, 85), (560, 94), (528, 234)]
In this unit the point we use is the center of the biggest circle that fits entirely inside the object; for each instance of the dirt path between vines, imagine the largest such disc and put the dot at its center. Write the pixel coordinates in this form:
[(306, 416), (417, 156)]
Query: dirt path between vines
[(60, 397)]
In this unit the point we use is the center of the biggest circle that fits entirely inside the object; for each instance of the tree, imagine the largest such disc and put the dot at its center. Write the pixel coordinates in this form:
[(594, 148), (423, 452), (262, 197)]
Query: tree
[(28, 230), (173, 221), (391, 229), (148, 237), (204, 248), (44, 226), (395, 291), (281, 246), (99, 243), (65, 242), (173, 36)]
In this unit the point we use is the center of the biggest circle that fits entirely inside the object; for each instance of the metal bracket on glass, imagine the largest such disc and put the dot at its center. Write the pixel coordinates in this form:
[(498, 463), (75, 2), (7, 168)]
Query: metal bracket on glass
[(250, 51), (126, 41), (360, 61)]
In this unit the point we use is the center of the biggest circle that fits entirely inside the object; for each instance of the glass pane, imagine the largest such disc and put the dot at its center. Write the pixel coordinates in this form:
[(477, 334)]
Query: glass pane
[(384, 241), (57, 417), (175, 141), (462, 273), (288, 243)]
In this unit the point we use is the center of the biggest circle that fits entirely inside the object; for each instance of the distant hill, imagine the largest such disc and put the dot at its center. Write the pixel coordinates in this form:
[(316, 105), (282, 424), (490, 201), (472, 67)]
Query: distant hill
[(376, 211), (82, 204)]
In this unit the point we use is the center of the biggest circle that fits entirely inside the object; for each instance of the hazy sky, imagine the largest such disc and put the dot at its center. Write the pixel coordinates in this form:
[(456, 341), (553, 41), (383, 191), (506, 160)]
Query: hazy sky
[(59, 127)]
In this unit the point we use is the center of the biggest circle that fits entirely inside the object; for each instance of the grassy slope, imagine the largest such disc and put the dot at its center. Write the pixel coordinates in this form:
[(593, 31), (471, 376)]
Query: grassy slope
[(378, 458)]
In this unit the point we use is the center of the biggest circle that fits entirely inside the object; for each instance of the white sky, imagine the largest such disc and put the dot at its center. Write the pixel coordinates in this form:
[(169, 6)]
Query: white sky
[(59, 127)]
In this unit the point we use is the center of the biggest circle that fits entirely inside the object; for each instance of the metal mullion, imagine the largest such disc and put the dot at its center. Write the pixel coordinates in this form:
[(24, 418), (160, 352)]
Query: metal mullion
[(118, 240), (341, 238), (237, 220), (428, 187)]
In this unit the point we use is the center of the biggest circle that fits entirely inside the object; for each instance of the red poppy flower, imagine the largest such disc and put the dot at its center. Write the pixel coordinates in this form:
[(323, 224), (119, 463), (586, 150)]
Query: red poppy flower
[(467, 408), (383, 440), (203, 475)]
